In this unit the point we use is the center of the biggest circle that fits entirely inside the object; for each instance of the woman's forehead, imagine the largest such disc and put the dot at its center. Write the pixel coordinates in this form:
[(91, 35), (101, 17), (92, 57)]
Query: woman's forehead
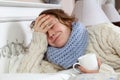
[(52, 16)]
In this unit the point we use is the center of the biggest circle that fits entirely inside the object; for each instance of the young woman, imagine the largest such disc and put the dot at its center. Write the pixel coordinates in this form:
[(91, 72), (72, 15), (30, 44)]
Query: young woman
[(66, 37)]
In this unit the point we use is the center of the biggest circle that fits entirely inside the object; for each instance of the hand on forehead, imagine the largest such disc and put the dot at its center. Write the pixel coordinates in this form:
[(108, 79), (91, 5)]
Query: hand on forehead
[(46, 19), (44, 22)]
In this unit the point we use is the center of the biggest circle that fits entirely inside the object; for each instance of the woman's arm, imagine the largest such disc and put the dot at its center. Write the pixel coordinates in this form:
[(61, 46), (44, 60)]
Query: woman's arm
[(34, 56)]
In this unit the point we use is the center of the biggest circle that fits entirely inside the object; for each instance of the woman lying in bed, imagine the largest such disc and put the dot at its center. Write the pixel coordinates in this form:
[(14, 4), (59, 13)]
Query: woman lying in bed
[(67, 40)]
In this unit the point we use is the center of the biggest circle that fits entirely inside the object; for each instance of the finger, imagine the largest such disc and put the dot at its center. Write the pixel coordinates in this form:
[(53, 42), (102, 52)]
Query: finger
[(49, 23), (41, 21), (50, 20), (82, 68), (99, 62), (45, 28), (46, 23), (38, 19), (48, 27)]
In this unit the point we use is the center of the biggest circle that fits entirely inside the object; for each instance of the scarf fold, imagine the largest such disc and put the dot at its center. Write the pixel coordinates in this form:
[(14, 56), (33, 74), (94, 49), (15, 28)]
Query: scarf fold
[(72, 50)]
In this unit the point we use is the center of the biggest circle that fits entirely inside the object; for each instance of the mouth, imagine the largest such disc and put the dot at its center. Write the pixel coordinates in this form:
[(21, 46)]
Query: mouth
[(56, 37)]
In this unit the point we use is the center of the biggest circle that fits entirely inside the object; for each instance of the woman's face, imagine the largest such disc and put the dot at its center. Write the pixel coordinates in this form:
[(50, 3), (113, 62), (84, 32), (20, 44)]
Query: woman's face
[(58, 35)]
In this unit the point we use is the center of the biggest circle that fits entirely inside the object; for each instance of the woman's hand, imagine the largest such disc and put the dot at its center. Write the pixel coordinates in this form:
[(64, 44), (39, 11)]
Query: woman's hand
[(43, 23), (82, 69)]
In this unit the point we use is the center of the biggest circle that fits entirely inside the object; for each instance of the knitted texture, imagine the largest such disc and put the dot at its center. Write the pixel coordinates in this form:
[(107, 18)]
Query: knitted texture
[(73, 49)]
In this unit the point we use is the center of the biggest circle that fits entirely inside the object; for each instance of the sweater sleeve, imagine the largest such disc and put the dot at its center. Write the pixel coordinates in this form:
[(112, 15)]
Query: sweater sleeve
[(104, 40), (35, 53), (39, 43)]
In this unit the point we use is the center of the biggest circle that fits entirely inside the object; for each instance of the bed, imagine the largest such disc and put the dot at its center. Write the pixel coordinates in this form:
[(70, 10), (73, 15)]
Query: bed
[(15, 29)]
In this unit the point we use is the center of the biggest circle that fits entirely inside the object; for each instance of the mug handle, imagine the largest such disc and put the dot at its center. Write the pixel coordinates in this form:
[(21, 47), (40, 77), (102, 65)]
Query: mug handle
[(76, 69)]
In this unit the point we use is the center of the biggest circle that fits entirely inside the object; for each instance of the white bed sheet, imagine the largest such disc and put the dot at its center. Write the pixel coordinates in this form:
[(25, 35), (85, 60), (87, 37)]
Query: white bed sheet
[(98, 76), (57, 76)]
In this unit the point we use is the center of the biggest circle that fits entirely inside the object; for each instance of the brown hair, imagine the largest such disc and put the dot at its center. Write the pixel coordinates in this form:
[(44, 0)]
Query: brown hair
[(63, 17)]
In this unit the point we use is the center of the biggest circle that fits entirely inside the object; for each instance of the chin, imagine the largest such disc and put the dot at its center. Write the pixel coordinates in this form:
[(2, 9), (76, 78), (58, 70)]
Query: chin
[(60, 45)]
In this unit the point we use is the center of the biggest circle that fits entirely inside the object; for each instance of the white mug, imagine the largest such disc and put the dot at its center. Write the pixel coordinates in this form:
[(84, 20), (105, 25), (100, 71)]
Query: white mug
[(88, 61)]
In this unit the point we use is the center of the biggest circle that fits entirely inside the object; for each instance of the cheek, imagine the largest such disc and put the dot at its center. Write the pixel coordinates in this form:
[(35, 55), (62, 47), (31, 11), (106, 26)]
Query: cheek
[(49, 42)]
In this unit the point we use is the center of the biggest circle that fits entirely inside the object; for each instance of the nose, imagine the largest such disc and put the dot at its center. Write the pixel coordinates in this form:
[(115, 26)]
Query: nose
[(51, 33)]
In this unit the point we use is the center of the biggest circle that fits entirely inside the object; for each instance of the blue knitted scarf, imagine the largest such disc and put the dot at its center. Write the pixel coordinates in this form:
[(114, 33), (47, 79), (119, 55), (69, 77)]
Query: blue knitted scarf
[(73, 49)]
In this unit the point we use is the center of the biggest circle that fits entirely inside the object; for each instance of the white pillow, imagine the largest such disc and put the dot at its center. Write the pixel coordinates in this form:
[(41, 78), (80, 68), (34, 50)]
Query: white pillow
[(111, 12), (89, 12), (4, 62), (17, 33), (10, 57)]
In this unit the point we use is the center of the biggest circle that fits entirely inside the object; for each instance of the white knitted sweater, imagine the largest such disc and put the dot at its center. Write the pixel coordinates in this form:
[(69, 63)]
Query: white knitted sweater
[(104, 40), (33, 62)]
